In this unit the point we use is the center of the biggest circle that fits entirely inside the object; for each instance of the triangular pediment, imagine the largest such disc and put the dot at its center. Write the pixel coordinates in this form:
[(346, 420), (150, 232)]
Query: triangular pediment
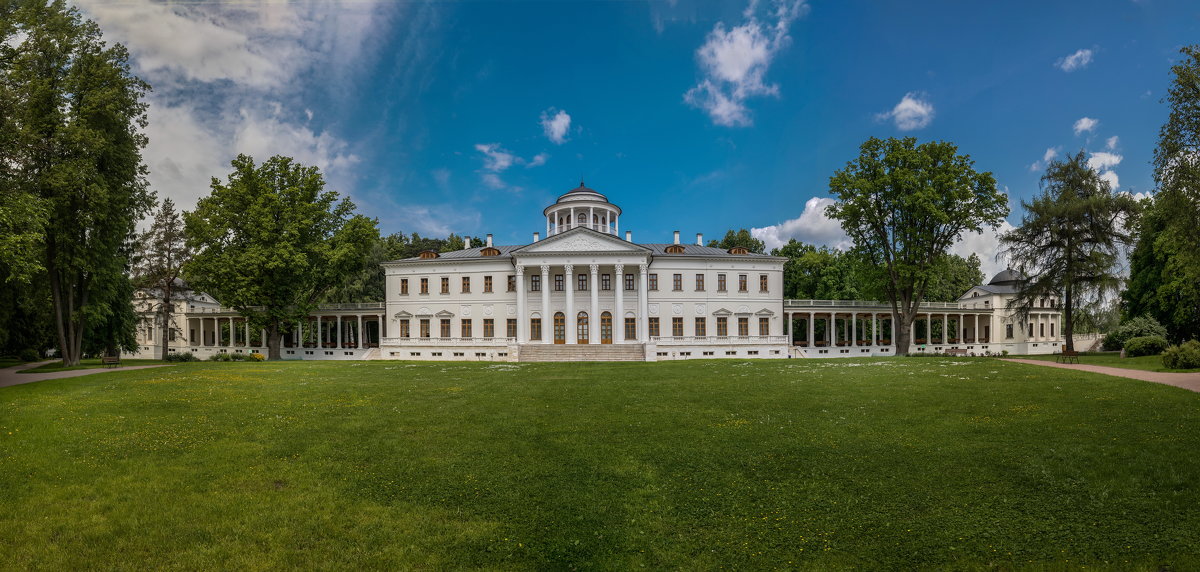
[(581, 240)]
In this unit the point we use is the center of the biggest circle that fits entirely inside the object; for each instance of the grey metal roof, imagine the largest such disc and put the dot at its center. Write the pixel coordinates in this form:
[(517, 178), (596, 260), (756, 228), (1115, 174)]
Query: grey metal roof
[(465, 254), (996, 288), (696, 250), (655, 249), (1007, 276)]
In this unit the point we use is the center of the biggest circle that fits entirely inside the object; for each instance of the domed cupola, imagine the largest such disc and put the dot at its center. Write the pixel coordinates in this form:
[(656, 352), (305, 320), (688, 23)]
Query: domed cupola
[(582, 207), (1007, 277)]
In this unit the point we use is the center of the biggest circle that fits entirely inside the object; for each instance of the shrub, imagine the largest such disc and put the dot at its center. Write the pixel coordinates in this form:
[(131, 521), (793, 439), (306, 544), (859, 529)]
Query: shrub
[(1145, 346), (237, 357), (220, 357), (1182, 356), (1134, 328), (29, 354), (256, 357), (181, 356)]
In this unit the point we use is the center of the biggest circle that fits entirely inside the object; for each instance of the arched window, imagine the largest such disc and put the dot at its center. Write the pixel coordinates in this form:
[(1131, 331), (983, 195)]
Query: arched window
[(560, 328), (606, 331), (581, 326)]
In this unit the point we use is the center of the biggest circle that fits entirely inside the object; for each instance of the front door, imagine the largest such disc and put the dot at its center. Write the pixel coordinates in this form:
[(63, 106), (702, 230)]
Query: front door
[(606, 328), (582, 328), (560, 328)]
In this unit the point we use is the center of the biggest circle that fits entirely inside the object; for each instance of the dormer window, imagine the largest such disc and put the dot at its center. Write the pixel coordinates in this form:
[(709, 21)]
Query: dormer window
[(490, 251), (427, 254), (739, 250), (675, 249)]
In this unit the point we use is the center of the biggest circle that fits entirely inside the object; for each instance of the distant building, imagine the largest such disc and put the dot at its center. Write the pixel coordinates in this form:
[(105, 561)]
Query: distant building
[(585, 293)]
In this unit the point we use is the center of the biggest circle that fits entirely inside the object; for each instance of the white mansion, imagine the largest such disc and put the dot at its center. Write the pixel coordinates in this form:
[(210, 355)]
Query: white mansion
[(585, 293)]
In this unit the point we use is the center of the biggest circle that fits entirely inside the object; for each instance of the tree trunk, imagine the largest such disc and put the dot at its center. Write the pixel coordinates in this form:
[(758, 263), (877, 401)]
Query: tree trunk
[(1068, 324), (903, 327), (273, 340)]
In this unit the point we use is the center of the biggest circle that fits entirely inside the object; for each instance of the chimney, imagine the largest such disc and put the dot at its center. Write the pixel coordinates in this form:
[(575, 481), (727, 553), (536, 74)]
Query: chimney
[(489, 240), (467, 241), (677, 237), (629, 236), (536, 237), (699, 239)]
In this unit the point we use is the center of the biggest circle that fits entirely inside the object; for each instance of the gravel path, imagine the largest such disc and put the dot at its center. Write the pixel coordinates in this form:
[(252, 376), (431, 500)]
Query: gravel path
[(9, 375), (1189, 381)]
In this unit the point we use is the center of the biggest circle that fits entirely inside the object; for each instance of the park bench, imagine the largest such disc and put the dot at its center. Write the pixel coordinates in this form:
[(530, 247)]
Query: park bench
[(956, 352), (1068, 357), (110, 361)]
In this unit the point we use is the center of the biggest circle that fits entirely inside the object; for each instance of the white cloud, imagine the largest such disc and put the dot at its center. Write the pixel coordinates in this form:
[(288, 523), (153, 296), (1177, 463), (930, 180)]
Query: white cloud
[(1112, 142), (492, 181), (812, 226), (913, 112), (495, 158), (1076, 61), (986, 245), (1085, 124), (735, 61), (537, 160), (556, 125), (1050, 154), (1103, 163), (1111, 178)]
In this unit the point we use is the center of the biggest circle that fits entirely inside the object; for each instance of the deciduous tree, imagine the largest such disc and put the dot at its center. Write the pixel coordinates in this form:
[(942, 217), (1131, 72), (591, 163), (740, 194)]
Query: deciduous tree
[(1069, 240), (904, 205), (741, 238), (271, 241), (162, 251)]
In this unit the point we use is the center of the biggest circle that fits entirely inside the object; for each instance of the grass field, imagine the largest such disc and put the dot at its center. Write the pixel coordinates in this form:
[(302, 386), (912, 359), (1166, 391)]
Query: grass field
[(88, 364), (873, 463), (1111, 359)]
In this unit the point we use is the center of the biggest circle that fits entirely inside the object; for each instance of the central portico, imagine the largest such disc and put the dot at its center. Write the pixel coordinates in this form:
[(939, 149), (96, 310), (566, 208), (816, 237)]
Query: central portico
[(585, 286)]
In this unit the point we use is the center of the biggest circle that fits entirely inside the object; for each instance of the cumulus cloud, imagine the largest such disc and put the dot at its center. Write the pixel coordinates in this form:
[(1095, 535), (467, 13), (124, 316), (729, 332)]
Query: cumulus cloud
[(1085, 125), (556, 124), (1112, 142), (913, 112), (986, 245), (1104, 162), (734, 61), (812, 226), (1050, 154), (495, 158), (1076, 61)]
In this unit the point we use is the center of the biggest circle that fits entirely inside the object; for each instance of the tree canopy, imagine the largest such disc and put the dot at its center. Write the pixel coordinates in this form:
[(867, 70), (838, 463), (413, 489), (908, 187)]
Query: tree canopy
[(270, 242), (741, 238), (162, 251), (903, 205)]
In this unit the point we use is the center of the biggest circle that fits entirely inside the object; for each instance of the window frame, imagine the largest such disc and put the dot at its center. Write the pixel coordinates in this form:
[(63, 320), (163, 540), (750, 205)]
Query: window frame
[(404, 286)]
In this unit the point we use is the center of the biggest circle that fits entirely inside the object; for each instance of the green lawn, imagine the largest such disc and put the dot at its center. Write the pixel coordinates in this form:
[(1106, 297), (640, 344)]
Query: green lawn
[(873, 463), (1109, 359), (88, 364)]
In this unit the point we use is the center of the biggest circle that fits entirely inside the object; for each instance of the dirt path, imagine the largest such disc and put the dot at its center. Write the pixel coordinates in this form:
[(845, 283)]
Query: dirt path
[(9, 375), (1189, 381)]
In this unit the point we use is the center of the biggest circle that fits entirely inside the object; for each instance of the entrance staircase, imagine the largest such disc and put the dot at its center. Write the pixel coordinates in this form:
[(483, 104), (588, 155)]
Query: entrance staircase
[(582, 352), (372, 354)]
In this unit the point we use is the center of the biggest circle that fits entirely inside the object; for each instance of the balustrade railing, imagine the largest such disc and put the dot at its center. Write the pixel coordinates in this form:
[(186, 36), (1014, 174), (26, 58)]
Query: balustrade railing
[(669, 340), (448, 341)]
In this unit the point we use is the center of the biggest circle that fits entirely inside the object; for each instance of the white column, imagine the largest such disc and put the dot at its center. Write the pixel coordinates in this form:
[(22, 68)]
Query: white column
[(201, 320), (594, 315), (358, 336), (643, 304), (619, 316), (246, 325), (892, 322), (320, 342), (853, 330), (547, 320), (548, 225), (811, 329), (591, 222), (568, 275), (522, 315), (380, 332), (617, 225), (339, 331), (874, 328), (262, 338)]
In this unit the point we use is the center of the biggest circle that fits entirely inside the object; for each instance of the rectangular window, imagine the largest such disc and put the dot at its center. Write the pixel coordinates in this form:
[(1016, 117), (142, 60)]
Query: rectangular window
[(701, 326), (424, 327), (606, 282), (404, 328), (558, 282), (404, 286), (722, 326), (582, 281), (630, 329), (535, 328), (762, 282), (677, 282), (653, 327), (466, 328), (677, 326), (510, 328), (743, 326), (720, 283), (489, 328), (535, 283), (487, 284), (699, 282), (512, 282), (629, 282), (1042, 330), (1031, 329), (424, 285), (1052, 329), (1008, 331), (764, 326), (466, 284), (653, 283), (445, 284), (742, 283), (445, 330)]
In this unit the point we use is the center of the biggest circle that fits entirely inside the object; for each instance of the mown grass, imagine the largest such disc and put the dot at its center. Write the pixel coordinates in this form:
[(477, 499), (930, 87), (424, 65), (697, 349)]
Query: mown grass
[(1112, 359), (89, 364), (872, 463)]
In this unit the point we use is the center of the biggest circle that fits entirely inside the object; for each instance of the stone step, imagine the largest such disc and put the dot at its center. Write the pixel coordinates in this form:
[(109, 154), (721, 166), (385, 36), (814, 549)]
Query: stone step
[(589, 352)]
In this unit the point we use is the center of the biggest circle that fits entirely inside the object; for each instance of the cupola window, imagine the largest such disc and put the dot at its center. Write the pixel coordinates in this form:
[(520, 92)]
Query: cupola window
[(675, 249), (490, 251), (739, 250), (427, 254)]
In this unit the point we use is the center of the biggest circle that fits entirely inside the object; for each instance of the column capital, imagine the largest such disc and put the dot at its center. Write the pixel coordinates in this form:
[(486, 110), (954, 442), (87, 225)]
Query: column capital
[(545, 269), (643, 268), (520, 270), (568, 268), (594, 268), (620, 268)]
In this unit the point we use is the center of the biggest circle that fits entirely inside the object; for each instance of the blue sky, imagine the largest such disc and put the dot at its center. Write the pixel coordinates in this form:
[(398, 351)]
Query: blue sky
[(470, 117)]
